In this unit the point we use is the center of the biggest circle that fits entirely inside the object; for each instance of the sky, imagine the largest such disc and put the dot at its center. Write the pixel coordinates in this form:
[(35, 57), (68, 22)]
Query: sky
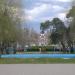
[(37, 11)]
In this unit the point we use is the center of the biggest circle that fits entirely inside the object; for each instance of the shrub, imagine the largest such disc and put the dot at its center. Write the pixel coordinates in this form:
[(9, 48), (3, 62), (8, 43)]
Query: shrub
[(43, 48)]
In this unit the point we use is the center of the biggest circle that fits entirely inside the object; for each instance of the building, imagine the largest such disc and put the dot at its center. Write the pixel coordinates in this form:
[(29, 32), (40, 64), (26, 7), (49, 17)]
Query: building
[(43, 39)]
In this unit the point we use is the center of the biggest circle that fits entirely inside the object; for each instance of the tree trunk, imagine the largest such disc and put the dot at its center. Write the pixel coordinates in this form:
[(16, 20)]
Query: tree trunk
[(70, 45), (63, 45)]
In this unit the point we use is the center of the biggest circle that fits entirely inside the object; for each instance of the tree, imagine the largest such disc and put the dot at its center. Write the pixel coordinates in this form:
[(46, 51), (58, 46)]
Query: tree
[(58, 26), (60, 33), (71, 29), (8, 24), (45, 25)]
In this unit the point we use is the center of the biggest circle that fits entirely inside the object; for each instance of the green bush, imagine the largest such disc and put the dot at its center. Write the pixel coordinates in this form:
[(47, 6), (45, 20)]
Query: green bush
[(43, 48)]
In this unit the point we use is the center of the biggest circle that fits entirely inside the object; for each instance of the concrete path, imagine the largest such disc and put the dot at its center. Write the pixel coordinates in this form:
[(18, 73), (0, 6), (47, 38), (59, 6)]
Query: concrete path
[(37, 69)]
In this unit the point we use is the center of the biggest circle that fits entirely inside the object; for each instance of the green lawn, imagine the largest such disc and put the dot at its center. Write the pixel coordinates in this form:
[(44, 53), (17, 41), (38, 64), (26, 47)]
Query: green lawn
[(36, 61)]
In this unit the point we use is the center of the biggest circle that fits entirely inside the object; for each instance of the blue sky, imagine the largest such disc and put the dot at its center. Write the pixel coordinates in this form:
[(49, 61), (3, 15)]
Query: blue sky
[(37, 11)]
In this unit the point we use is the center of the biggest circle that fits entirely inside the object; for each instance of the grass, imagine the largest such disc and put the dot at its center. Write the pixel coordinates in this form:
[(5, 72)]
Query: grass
[(51, 52), (36, 61)]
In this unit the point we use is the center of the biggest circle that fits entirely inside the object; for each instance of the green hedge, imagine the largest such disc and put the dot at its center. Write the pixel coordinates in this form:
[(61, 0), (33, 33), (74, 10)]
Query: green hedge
[(44, 48)]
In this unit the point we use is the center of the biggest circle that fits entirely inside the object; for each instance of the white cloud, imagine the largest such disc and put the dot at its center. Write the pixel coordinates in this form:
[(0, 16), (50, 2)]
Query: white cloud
[(36, 11), (64, 0), (55, 0), (46, 18), (57, 8), (42, 9), (62, 16)]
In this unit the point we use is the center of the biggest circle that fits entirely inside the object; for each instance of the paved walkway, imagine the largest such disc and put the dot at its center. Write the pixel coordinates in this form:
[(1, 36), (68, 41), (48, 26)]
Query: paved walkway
[(38, 69)]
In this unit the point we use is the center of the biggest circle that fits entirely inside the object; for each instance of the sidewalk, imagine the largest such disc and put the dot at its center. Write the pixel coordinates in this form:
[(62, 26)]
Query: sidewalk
[(37, 69)]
